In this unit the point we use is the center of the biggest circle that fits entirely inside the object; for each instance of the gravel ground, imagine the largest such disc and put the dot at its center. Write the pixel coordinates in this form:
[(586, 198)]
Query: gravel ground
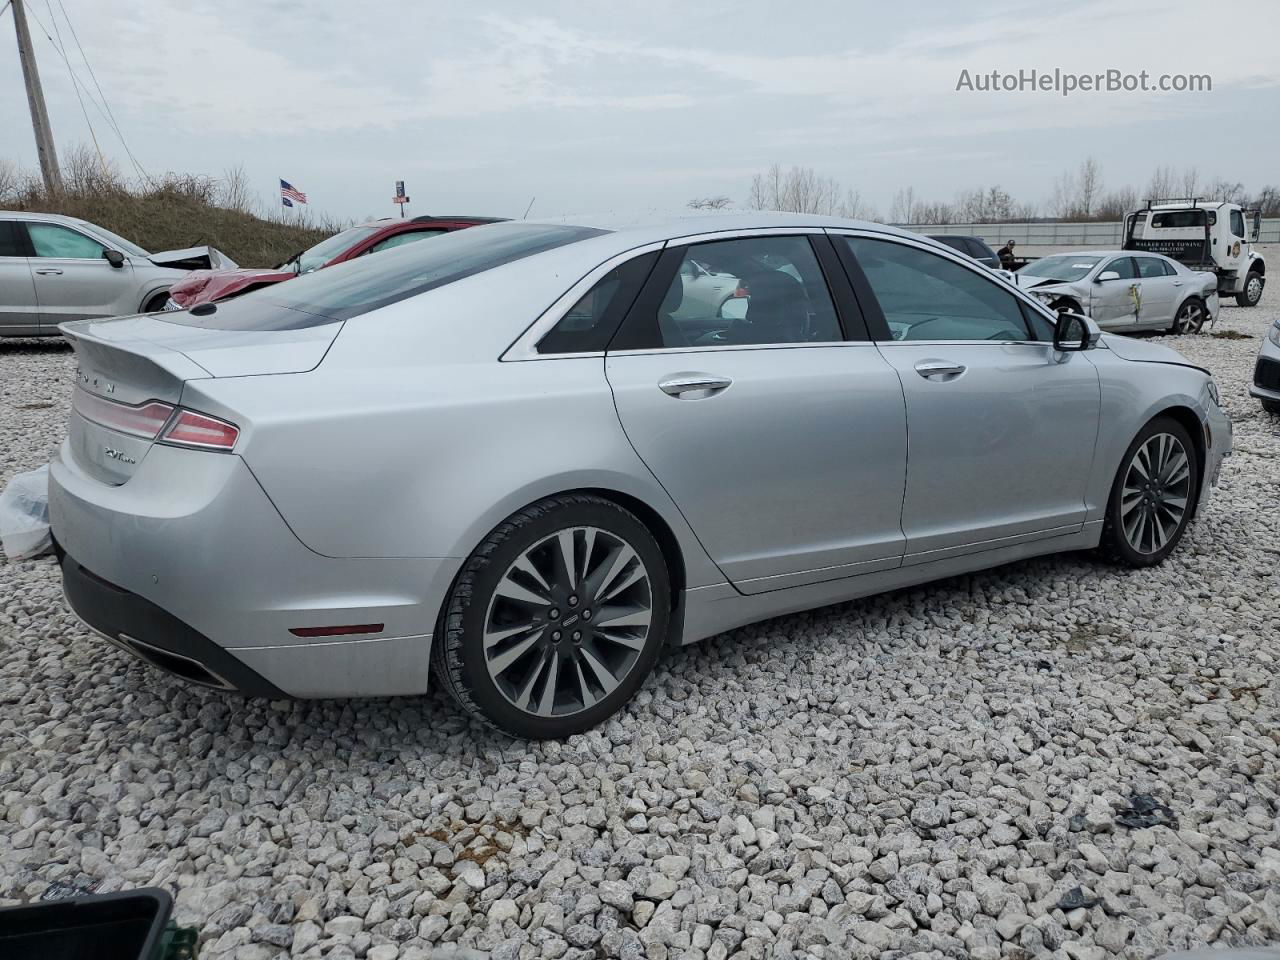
[(1056, 758)]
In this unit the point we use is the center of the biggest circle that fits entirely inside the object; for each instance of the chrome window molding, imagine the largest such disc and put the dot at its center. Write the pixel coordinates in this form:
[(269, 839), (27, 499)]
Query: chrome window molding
[(525, 346), (737, 347)]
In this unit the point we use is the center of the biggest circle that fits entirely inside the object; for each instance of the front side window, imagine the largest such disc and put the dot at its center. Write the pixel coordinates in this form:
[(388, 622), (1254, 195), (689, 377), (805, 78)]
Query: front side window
[(313, 258), (1237, 224), (52, 240), (1150, 267), (400, 239), (927, 297), (590, 323), (1123, 266), (748, 291)]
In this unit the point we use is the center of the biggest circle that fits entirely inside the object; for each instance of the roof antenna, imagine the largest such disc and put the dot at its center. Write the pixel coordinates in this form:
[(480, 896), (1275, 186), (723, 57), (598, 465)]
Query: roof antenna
[(528, 208)]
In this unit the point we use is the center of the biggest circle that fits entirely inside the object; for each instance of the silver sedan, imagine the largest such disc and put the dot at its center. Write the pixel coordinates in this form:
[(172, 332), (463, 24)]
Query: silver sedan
[(1125, 292), (510, 463)]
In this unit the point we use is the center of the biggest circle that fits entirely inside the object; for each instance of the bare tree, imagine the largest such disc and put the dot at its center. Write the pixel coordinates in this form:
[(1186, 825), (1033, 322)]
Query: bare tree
[(235, 193), (709, 203), (1190, 182), (1162, 183), (1220, 189), (903, 209), (1089, 183), (10, 180), (804, 190), (1268, 201), (1116, 204)]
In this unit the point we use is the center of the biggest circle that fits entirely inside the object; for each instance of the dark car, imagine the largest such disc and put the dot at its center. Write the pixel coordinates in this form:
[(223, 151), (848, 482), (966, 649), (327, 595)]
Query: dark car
[(974, 247), (205, 286)]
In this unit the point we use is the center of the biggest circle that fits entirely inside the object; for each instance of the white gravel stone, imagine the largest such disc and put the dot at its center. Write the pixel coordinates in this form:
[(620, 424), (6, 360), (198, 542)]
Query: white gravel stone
[(921, 775)]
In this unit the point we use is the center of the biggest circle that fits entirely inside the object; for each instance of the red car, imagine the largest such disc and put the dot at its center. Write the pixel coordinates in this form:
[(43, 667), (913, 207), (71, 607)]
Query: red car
[(205, 286)]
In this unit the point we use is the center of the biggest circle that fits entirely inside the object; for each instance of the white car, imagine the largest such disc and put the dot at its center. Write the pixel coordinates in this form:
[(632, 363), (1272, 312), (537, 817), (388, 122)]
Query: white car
[(1124, 291), (55, 268)]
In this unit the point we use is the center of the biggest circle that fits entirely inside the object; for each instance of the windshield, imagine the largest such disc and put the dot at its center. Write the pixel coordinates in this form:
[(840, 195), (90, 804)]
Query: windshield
[(115, 240), (1065, 268), (316, 257), (364, 284)]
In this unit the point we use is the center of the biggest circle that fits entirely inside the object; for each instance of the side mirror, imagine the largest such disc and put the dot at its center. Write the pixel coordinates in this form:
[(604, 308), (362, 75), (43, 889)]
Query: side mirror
[(1107, 275), (1074, 332), (114, 257)]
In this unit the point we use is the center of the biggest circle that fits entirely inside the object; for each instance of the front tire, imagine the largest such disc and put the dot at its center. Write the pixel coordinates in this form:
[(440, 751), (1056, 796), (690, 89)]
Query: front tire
[(156, 303), (1189, 318), (1272, 407), (556, 618), (1152, 496), (1252, 292)]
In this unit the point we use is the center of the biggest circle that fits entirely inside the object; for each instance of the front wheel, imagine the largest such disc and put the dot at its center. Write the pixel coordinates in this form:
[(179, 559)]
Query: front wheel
[(1252, 292), (556, 619), (156, 303), (1152, 496), (1189, 318)]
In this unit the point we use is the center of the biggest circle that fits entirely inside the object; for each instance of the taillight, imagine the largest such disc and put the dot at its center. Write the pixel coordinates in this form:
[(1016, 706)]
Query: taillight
[(145, 420), (191, 429), (742, 291)]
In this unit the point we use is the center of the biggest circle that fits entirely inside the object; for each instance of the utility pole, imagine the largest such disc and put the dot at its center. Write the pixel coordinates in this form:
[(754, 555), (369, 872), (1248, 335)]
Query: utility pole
[(35, 99)]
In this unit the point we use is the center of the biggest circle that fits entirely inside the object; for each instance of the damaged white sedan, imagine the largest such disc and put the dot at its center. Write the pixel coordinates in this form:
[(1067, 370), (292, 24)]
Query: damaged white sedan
[(1122, 291), (55, 268)]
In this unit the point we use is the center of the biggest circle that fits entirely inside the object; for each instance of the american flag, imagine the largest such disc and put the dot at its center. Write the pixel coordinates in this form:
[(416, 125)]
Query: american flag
[(290, 193)]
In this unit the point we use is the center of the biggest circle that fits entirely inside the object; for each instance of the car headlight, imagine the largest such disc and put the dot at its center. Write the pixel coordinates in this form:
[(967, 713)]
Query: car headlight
[(1213, 392), (1273, 333)]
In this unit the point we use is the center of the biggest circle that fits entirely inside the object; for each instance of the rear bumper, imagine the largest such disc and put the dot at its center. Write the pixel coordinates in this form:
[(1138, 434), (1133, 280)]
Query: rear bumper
[(190, 559), (1266, 373)]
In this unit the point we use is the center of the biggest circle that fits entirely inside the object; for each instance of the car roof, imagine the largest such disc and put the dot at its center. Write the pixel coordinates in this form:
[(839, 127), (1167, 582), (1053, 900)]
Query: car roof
[(36, 215), (1198, 205)]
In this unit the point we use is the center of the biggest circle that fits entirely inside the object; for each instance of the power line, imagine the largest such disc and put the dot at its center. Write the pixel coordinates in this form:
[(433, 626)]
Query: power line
[(110, 113), (75, 84)]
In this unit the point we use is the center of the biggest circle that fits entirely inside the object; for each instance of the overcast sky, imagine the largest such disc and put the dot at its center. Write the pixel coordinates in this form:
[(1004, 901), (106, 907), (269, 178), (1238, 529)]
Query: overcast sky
[(600, 107)]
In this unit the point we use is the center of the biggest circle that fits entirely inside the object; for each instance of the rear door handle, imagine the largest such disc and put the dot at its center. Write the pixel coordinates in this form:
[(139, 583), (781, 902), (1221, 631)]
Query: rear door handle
[(48, 270), (1177, 283), (939, 368), (693, 386)]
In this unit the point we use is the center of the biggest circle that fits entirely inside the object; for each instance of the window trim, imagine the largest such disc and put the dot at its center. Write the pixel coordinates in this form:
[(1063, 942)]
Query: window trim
[(676, 251), (34, 255), (1128, 256), (878, 326), (525, 346)]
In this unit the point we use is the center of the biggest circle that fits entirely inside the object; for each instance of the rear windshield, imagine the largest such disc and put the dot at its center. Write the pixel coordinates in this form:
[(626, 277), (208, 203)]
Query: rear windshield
[(358, 286), (1178, 219)]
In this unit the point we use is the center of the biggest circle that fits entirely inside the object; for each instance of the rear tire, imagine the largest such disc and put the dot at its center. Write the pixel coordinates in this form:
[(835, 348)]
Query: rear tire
[(1190, 317), (1152, 497), (1252, 292), (556, 618)]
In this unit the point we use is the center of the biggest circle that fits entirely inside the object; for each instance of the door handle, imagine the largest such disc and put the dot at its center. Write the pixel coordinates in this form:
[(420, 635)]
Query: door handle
[(685, 387), (49, 270), (939, 368), (1177, 283)]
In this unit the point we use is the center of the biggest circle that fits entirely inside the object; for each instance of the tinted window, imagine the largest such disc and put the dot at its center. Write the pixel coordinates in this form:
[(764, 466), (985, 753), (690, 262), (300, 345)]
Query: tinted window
[(926, 297), (400, 239), (1150, 267), (759, 290), (981, 250), (590, 323), (52, 240), (313, 258), (1122, 266), (1178, 219), (11, 244), (1169, 269), (955, 243), (1237, 223), (358, 286), (1068, 268)]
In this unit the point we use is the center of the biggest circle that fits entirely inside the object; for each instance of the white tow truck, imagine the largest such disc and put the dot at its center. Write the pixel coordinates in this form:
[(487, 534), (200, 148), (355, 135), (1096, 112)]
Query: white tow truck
[(1208, 235)]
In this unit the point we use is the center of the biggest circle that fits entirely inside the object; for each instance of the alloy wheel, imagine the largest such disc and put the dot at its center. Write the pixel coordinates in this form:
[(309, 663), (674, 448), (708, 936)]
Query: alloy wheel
[(568, 621), (1190, 318), (1154, 498)]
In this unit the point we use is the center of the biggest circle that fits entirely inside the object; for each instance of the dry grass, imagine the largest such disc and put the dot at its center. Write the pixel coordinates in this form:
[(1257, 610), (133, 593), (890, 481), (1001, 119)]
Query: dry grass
[(168, 212)]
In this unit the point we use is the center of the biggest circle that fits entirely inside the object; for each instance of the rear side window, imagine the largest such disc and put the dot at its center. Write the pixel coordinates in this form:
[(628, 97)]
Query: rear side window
[(400, 239), (359, 286), (11, 240), (591, 322), (1149, 267)]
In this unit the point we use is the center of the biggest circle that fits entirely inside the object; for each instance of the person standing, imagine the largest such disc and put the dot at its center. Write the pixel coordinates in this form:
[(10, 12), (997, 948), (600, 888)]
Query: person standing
[(1005, 254)]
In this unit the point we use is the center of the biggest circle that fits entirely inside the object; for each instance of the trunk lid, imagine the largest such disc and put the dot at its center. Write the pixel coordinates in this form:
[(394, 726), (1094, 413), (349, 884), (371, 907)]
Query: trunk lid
[(130, 369)]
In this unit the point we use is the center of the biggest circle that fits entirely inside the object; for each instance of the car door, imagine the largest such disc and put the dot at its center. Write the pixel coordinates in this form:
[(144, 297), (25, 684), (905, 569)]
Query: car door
[(73, 279), (18, 311), (1157, 298), (1114, 303), (1001, 427), (782, 442)]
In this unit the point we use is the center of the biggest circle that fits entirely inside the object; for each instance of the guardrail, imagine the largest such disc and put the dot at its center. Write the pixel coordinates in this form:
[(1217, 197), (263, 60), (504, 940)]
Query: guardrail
[(1057, 234)]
